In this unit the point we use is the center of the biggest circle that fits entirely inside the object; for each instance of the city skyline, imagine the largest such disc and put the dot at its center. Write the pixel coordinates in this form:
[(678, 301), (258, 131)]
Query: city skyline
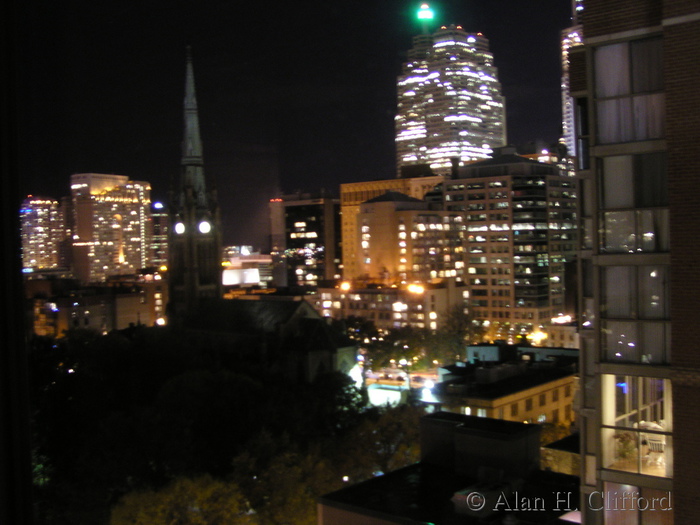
[(309, 106)]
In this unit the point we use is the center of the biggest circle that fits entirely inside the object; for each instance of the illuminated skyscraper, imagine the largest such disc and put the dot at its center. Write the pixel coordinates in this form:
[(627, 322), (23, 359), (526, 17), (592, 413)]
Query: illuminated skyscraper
[(305, 231), (159, 235), (449, 101), (571, 36), (41, 220), (110, 235)]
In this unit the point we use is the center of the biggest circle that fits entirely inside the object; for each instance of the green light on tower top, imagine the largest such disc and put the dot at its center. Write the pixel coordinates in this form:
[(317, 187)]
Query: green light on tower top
[(425, 13)]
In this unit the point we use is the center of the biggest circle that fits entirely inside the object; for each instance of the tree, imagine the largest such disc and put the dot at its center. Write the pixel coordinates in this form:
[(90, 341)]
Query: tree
[(186, 501), (552, 432), (389, 441), (204, 418), (283, 481)]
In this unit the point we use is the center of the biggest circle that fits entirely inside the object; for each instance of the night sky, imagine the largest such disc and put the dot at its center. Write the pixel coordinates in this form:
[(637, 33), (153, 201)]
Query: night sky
[(292, 95)]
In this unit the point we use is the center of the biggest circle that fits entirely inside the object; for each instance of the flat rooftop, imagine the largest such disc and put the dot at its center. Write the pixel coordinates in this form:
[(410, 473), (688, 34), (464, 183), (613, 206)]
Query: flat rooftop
[(422, 494), (533, 377)]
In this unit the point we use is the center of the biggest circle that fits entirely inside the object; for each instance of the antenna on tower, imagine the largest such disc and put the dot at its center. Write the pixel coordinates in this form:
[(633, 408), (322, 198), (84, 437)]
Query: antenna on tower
[(425, 15)]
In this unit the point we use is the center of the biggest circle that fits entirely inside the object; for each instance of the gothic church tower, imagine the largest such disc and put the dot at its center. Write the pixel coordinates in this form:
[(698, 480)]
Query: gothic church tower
[(194, 265)]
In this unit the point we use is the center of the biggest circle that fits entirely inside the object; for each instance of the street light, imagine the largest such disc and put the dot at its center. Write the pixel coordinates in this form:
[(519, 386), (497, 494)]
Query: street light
[(406, 366)]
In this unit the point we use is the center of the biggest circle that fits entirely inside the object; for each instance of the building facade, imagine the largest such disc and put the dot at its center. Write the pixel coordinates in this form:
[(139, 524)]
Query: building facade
[(43, 233), (306, 239), (390, 307), (403, 241), (449, 101), (355, 193), (521, 230), (159, 236), (58, 307), (544, 396), (110, 225), (635, 84)]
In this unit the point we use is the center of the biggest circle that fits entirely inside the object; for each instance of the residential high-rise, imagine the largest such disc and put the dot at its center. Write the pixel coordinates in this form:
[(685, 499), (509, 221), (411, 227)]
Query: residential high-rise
[(41, 221), (636, 87), (305, 231), (355, 193), (403, 241), (194, 269), (449, 101), (521, 234), (110, 230)]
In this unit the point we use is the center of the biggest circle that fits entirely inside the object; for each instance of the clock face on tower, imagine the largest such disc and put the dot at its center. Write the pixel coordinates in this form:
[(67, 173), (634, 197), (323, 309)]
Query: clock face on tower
[(179, 228), (204, 226)]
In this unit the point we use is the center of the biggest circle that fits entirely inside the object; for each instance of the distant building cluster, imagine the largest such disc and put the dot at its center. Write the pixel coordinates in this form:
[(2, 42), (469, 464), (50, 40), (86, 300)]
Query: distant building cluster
[(107, 227), (477, 226), (467, 225)]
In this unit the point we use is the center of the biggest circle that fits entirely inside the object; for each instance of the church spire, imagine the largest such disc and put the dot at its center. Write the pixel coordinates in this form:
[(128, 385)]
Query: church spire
[(194, 266), (192, 157)]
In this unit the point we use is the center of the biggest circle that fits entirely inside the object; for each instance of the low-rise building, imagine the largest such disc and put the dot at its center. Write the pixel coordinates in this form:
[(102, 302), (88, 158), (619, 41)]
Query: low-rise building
[(525, 392), (61, 305), (388, 307), (516, 383), (283, 335)]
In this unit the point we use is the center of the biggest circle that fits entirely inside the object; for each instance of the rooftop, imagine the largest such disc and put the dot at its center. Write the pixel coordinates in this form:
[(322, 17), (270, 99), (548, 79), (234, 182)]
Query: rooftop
[(422, 494), (393, 196), (533, 376)]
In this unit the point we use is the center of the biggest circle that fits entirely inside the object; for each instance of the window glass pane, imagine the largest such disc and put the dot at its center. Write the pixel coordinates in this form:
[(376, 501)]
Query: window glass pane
[(650, 187), (617, 182), (612, 70), (638, 437), (653, 348), (626, 401), (653, 292), (588, 316), (660, 507), (647, 68), (653, 230), (618, 232), (619, 511), (615, 120), (621, 449), (649, 117), (587, 233), (621, 342), (618, 291)]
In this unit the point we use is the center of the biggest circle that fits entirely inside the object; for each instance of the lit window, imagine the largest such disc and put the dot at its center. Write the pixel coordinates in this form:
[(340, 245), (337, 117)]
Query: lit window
[(637, 424)]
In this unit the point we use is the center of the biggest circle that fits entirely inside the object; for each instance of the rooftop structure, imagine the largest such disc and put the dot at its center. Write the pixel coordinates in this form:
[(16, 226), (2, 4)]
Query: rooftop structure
[(282, 334)]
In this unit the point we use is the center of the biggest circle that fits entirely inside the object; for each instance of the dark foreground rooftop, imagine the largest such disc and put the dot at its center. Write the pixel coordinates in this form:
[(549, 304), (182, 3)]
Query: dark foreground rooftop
[(423, 494)]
